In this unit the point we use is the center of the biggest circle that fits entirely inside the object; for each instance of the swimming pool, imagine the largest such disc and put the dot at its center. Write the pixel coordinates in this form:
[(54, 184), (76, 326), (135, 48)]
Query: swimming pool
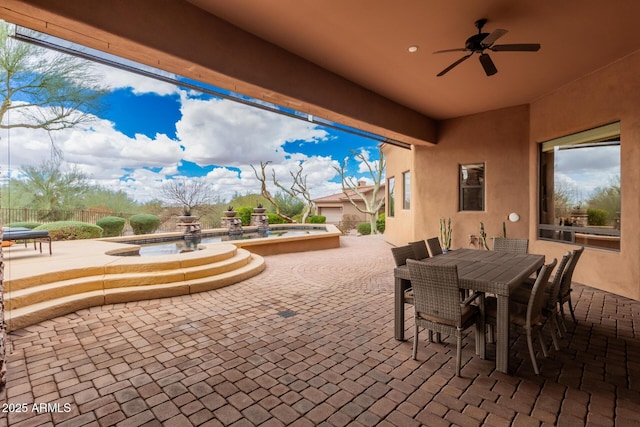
[(177, 244)]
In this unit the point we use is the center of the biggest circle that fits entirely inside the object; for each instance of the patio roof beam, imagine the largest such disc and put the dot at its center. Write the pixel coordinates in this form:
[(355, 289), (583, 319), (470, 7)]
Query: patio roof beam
[(203, 47)]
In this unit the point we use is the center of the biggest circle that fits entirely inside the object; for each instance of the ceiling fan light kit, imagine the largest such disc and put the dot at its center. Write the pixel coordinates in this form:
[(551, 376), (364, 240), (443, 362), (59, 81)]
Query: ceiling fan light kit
[(480, 42)]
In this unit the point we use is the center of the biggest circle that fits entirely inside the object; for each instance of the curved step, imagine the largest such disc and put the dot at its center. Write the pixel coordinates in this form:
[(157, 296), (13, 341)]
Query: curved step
[(45, 301)]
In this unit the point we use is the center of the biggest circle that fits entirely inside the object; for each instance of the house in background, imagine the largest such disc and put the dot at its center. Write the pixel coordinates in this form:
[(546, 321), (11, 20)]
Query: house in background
[(339, 210)]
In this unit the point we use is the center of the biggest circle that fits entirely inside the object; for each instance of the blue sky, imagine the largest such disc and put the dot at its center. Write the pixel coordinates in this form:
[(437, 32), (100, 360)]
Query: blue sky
[(151, 131)]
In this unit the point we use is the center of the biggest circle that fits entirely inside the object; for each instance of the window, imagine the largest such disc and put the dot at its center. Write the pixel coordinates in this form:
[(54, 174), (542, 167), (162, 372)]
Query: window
[(406, 189), (391, 183), (580, 188), (472, 187)]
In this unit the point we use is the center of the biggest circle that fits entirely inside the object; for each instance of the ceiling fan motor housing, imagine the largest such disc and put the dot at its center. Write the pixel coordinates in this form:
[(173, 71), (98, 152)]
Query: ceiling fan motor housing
[(474, 43)]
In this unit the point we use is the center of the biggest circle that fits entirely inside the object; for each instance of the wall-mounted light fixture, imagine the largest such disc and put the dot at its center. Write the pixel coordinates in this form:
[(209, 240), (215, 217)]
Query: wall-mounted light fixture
[(514, 217)]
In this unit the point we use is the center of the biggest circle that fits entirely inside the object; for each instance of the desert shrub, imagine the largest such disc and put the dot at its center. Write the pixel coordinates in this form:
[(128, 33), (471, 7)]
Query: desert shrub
[(381, 223), (364, 228), (597, 217), (297, 218), (245, 215), (144, 223), (112, 225), (317, 219), (25, 224), (348, 223), (275, 219), (71, 230)]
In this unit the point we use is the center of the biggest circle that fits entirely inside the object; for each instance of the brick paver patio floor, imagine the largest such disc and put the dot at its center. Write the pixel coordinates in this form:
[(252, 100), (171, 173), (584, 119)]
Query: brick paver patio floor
[(310, 342)]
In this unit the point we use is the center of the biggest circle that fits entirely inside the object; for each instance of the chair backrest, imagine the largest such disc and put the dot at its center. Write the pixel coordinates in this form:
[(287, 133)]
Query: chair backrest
[(401, 254), (420, 249), (434, 246), (567, 277), (537, 298), (554, 286), (436, 291), (515, 246)]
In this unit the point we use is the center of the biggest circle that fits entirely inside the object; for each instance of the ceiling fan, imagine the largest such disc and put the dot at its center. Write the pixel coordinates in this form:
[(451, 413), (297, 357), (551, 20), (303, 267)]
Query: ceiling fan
[(480, 42)]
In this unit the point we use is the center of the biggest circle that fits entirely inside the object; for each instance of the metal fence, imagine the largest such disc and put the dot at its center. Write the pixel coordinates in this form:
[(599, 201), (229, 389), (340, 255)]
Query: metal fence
[(12, 215)]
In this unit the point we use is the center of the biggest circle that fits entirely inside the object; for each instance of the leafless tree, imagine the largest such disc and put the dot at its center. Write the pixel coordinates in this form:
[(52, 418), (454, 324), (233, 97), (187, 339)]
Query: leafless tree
[(353, 192), (298, 190), (188, 193), (262, 177)]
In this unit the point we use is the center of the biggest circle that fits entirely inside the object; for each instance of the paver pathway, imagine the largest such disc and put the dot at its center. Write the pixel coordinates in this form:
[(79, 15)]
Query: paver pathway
[(310, 342)]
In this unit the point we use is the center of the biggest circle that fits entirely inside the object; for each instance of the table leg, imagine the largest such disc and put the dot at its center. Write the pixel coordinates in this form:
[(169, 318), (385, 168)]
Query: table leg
[(481, 342), (398, 308), (502, 332)]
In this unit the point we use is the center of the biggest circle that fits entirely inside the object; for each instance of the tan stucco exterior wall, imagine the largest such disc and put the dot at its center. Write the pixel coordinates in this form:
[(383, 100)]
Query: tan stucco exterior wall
[(608, 95), (497, 138), (507, 140), (399, 228)]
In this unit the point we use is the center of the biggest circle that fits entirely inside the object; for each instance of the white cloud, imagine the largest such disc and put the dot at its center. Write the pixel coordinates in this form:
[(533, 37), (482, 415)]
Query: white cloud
[(224, 132), (115, 78)]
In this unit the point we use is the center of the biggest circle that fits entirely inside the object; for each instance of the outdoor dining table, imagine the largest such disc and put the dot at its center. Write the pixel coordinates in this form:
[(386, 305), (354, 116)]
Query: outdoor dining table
[(484, 271)]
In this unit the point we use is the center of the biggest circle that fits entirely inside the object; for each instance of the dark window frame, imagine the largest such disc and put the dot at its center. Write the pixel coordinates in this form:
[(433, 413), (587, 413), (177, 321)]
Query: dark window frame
[(465, 187)]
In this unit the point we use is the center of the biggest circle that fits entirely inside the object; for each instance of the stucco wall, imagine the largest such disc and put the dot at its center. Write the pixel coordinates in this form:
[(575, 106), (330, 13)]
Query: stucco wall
[(399, 228), (497, 138), (608, 95)]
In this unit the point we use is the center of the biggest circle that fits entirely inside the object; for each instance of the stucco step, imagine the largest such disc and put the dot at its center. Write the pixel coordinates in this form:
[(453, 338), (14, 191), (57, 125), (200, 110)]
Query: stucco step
[(137, 293), (15, 299), (37, 312), (118, 265)]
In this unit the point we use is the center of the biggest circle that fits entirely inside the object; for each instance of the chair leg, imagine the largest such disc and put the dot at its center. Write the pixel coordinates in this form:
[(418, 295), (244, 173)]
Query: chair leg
[(573, 316), (532, 354), (458, 352), (556, 323), (554, 329), (542, 344), (415, 342), (562, 322)]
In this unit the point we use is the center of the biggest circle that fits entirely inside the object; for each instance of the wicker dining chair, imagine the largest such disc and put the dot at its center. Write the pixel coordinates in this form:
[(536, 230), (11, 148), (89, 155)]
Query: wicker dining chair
[(564, 293), (400, 255), (527, 319), (419, 249), (438, 306), (550, 310), (434, 246), (515, 246)]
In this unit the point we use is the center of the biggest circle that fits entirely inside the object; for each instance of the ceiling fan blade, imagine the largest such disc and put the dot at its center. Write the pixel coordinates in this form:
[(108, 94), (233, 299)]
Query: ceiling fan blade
[(450, 67), (488, 65), (462, 49), (491, 38), (523, 47)]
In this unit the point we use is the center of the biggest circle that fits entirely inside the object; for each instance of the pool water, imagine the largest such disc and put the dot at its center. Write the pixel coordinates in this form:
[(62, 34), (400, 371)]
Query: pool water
[(191, 243)]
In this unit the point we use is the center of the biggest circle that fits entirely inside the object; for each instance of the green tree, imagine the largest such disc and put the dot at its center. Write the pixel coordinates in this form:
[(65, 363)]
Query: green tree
[(607, 198), (98, 198), (42, 89), (51, 188)]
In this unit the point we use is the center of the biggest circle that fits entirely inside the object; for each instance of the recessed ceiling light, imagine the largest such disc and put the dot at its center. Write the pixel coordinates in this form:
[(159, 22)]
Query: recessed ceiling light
[(413, 49)]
